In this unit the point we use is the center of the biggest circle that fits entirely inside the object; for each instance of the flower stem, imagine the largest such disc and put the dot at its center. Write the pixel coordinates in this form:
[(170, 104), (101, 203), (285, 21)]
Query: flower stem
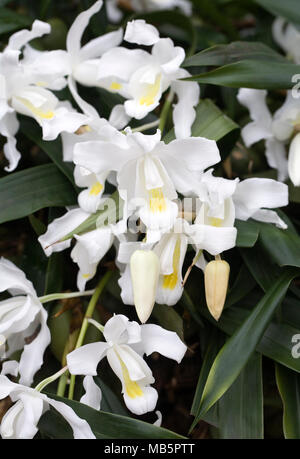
[(63, 381), (147, 126), (49, 380), (165, 111), (85, 323), (63, 296)]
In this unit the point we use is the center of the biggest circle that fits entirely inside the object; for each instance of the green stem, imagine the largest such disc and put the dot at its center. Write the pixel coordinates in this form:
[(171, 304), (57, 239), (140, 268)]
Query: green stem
[(63, 381), (49, 380), (63, 296), (85, 323), (165, 110), (147, 126)]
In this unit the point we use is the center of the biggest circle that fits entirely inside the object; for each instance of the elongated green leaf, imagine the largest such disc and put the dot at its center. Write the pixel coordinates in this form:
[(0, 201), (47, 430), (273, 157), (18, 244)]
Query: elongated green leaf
[(53, 149), (25, 192), (106, 425), (240, 410), (288, 383), (247, 233), (11, 21), (227, 54), (276, 341), (288, 9), (210, 122), (251, 74), (238, 349), (283, 246)]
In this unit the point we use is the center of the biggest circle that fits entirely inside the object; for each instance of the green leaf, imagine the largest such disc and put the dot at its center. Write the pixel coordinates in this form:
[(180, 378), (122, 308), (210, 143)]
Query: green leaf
[(11, 21), (247, 233), (240, 410), (168, 318), (210, 122), (53, 149), (288, 383), (238, 349), (106, 425), (23, 193), (283, 246), (251, 74), (288, 9), (110, 402), (236, 51)]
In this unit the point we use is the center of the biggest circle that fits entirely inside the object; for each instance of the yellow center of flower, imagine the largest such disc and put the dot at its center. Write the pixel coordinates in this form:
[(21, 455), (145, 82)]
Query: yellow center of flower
[(170, 280), (86, 276), (151, 92), (96, 189), (36, 111), (157, 200), (215, 221), (132, 388), (115, 86)]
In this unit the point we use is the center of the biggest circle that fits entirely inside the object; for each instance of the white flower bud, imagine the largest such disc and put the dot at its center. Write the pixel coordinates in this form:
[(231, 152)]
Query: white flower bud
[(144, 267), (294, 160), (216, 278)]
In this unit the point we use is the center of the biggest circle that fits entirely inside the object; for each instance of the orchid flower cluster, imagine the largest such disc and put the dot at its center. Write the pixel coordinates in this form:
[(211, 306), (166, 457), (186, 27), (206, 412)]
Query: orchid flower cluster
[(171, 201)]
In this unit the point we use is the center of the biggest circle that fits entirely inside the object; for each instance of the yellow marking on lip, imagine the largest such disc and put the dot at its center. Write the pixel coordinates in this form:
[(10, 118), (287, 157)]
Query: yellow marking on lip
[(36, 111), (115, 86), (157, 200), (96, 189), (86, 276), (151, 92), (132, 388), (170, 280), (215, 221)]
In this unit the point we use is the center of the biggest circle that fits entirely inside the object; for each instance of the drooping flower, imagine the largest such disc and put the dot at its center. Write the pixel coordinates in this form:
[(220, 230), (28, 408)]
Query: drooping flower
[(142, 77), (20, 318), (90, 247), (126, 343), (20, 421)]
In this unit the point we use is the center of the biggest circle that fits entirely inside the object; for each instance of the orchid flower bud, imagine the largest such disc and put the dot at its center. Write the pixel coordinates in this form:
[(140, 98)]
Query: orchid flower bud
[(294, 160), (216, 278), (144, 267)]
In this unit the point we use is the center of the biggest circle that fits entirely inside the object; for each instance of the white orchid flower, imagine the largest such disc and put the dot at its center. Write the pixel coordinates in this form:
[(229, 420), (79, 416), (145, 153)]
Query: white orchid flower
[(149, 172), (254, 196), (277, 130), (20, 421), (142, 77), (20, 317), (90, 247), (126, 343), (24, 88), (288, 38), (84, 60)]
